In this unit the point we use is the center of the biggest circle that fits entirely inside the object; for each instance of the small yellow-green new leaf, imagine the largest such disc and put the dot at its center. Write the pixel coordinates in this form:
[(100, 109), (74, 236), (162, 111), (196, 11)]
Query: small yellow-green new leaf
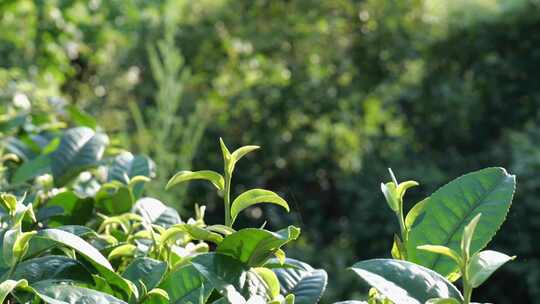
[(255, 196), (21, 244), (468, 233), (224, 150), (8, 202), (483, 264), (270, 279), (240, 152), (444, 251), (156, 296), (138, 179), (8, 286), (126, 250), (403, 187), (398, 250), (215, 178)]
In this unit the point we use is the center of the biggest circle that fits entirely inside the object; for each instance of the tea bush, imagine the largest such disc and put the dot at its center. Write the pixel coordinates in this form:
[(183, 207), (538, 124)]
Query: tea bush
[(77, 228)]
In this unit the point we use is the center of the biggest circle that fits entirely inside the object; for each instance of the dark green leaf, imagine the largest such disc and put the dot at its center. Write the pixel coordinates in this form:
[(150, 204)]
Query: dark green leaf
[(404, 282), (253, 246), (80, 148), (449, 209), (306, 283)]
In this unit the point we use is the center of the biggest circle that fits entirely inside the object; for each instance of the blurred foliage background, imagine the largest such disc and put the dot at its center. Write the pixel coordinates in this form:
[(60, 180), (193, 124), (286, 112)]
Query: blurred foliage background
[(334, 92)]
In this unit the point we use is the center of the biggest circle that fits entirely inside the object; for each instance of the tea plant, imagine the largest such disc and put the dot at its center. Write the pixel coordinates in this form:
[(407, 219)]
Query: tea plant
[(77, 228), (440, 240)]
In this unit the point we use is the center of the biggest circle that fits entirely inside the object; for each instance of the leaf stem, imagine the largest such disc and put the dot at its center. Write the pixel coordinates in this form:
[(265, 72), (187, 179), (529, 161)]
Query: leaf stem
[(227, 197), (467, 288)]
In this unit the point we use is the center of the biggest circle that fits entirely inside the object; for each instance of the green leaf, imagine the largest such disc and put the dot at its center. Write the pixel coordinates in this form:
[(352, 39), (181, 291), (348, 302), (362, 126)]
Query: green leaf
[(89, 252), (78, 244), (389, 191), (76, 210), (81, 118), (298, 278), (242, 151), (155, 212), (185, 285), (449, 209), (415, 213), (156, 296), (444, 251), (80, 148), (254, 247), (224, 273), (255, 196), (52, 267), (53, 293), (114, 199), (125, 250), (8, 202), (147, 271), (8, 286), (404, 282), (126, 166), (270, 280), (32, 168), (468, 234), (215, 178), (483, 264), (404, 186), (398, 251)]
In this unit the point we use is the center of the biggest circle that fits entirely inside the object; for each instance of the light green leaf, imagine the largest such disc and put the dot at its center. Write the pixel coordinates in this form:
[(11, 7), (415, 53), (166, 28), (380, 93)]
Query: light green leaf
[(240, 152), (8, 286), (156, 296), (390, 194), (254, 247), (303, 281), (404, 282), (468, 234), (449, 209), (483, 264), (125, 250), (270, 281), (444, 251), (72, 241), (80, 148), (215, 178), (255, 196)]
